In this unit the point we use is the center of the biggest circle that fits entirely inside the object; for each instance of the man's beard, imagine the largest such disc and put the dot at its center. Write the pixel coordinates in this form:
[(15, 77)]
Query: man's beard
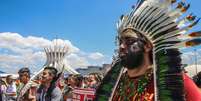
[(132, 60)]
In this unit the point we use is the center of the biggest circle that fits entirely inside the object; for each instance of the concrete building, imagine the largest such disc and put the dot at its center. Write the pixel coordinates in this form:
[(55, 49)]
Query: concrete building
[(91, 69)]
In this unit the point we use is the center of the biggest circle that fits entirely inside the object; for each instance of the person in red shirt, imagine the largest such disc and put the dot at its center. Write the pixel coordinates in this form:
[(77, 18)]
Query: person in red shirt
[(192, 91)]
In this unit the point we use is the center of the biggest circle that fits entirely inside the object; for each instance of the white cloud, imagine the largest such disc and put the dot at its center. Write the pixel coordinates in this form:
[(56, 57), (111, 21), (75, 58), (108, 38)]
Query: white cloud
[(187, 58), (5, 58), (16, 40), (76, 61), (17, 51), (193, 70), (96, 56), (192, 59), (191, 56)]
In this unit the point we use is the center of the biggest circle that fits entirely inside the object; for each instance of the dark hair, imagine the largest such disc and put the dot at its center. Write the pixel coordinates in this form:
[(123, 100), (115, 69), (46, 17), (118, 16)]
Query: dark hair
[(197, 79), (24, 70), (53, 72)]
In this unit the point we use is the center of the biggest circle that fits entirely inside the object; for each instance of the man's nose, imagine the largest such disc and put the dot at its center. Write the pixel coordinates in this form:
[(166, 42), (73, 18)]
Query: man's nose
[(122, 46)]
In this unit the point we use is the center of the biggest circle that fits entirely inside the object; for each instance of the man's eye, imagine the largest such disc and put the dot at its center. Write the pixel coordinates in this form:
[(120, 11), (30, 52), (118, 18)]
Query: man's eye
[(120, 41), (130, 41)]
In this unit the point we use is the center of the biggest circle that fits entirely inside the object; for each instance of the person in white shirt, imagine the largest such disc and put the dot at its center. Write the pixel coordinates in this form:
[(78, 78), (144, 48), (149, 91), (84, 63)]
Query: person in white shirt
[(11, 89)]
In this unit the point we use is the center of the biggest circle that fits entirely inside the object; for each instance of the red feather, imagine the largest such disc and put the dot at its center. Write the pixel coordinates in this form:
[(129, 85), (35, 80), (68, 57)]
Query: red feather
[(195, 34)]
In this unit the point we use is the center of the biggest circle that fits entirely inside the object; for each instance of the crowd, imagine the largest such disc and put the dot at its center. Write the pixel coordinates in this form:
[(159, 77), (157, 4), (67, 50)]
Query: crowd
[(148, 65), (52, 86)]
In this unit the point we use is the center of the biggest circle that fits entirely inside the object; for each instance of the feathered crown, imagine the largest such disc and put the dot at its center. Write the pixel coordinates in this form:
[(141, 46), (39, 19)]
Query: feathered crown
[(161, 22)]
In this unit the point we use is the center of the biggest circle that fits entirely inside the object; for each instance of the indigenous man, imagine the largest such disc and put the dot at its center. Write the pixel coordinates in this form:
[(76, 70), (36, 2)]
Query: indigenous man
[(149, 66)]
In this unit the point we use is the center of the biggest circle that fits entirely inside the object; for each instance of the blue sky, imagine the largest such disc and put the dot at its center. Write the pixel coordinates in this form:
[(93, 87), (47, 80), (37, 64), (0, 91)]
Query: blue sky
[(89, 26), (86, 24)]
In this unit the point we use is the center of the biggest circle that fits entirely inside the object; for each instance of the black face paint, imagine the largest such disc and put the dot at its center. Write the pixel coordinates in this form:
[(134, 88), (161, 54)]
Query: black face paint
[(134, 56)]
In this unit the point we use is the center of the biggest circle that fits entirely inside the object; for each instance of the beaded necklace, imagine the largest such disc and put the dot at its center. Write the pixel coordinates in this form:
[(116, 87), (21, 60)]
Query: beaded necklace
[(134, 88)]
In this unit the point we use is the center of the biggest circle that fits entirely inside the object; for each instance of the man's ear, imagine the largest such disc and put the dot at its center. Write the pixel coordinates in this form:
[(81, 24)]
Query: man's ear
[(148, 47)]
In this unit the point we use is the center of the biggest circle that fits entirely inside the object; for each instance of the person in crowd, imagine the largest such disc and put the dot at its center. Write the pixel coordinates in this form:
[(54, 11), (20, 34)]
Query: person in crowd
[(11, 91), (73, 81), (24, 77), (197, 79), (2, 90), (48, 91), (85, 82), (93, 80), (67, 92), (61, 84)]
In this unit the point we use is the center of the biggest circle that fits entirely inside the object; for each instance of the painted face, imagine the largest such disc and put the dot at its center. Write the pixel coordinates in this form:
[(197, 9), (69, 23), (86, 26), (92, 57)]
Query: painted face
[(131, 51)]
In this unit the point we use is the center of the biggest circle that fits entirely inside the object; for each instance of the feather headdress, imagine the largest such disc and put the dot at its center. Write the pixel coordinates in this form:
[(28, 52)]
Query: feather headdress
[(161, 22)]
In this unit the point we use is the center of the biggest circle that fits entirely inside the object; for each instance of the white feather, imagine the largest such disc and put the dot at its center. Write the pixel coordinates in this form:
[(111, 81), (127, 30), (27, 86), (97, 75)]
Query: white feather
[(156, 15), (149, 18), (165, 26), (155, 23)]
